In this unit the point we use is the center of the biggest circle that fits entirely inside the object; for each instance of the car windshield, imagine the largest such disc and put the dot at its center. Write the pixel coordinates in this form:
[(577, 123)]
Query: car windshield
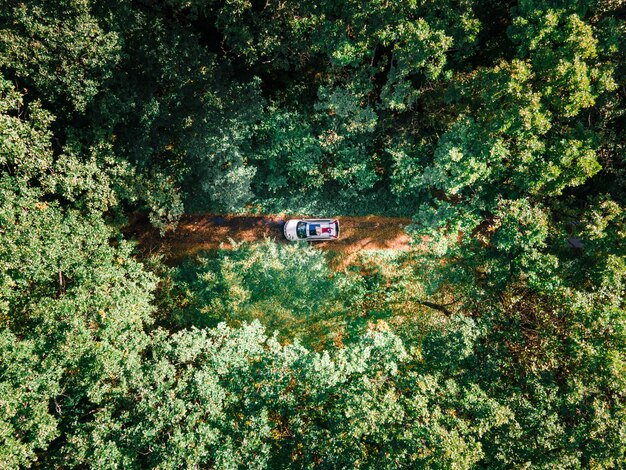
[(301, 230)]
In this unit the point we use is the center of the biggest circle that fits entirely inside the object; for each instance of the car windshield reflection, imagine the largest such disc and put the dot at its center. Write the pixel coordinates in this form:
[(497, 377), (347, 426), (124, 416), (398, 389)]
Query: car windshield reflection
[(301, 230)]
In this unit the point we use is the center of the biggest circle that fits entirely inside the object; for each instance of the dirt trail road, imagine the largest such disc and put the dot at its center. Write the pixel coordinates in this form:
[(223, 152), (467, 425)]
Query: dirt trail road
[(209, 231)]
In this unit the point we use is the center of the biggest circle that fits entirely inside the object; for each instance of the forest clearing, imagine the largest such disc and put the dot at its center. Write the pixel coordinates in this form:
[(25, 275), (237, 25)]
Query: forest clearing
[(198, 232)]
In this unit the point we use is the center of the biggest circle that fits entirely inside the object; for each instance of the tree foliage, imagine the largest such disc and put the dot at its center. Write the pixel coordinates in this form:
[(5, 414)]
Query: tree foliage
[(290, 289), (498, 341)]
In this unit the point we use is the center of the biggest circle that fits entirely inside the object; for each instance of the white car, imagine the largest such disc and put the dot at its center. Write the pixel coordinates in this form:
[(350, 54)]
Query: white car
[(311, 229)]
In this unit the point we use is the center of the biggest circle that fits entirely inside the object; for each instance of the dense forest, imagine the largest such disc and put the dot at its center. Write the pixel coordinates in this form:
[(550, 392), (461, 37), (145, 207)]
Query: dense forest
[(497, 341)]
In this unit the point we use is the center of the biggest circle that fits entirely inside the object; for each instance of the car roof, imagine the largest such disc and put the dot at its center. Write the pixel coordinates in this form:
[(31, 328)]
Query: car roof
[(329, 228)]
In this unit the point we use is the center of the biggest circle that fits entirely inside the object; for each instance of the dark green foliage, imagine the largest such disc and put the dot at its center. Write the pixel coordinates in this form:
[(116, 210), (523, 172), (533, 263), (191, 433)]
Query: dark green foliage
[(526, 243), (65, 56)]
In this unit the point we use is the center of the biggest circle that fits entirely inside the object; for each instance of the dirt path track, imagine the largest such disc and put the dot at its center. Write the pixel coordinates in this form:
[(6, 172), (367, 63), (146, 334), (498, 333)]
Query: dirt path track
[(197, 232)]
